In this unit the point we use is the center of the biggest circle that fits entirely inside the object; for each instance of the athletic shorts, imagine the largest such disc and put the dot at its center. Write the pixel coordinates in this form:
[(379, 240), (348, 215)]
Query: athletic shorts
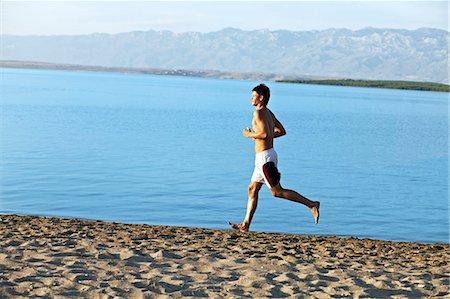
[(266, 168)]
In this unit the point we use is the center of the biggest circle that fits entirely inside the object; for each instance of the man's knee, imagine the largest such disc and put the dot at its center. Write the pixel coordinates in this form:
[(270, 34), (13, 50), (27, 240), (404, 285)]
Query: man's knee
[(251, 189), (276, 191)]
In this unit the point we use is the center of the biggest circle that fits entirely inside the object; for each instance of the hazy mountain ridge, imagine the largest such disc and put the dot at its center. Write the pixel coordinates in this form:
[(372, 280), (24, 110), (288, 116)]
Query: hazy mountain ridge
[(370, 53)]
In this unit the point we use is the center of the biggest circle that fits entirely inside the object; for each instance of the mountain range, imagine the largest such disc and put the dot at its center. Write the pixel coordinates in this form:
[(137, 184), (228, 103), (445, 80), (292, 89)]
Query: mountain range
[(369, 53)]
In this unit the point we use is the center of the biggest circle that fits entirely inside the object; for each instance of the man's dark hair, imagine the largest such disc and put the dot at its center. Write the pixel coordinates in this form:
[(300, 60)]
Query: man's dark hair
[(264, 91)]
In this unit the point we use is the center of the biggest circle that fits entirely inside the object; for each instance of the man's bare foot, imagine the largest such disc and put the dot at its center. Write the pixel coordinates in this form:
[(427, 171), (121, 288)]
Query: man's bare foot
[(315, 211), (240, 227)]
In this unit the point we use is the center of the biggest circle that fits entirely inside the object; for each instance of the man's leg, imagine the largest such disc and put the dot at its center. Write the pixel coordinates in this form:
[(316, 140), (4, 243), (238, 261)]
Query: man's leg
[(253, 191), (292, 195)]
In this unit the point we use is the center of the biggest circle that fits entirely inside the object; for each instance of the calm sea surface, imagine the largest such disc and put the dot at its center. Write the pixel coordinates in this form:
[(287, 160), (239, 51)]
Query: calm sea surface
[(170, 151)]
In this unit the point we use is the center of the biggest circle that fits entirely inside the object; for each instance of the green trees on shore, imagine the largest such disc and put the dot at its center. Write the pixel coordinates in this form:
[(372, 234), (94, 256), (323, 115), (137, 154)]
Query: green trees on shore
[(426, 86)]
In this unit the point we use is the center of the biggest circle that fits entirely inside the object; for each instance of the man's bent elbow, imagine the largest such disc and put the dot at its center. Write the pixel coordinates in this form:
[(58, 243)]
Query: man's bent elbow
[(279, 134)]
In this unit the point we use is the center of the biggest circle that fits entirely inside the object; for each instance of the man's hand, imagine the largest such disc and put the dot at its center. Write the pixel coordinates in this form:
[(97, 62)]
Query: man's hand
[(247, 132)]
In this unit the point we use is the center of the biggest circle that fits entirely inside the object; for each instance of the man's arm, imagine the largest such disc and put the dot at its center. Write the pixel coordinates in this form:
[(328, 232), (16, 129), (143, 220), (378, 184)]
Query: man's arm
[(279, 129), (262, 134)]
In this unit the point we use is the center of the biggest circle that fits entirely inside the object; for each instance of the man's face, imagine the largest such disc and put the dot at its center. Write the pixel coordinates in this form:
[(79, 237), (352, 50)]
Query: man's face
[(256, 98)]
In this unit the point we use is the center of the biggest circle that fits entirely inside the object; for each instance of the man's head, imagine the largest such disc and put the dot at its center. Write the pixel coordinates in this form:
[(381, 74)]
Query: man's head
[(260, 93)]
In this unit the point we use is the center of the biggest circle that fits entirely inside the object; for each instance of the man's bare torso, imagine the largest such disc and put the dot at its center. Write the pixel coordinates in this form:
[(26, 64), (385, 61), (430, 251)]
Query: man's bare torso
[(266, 116)]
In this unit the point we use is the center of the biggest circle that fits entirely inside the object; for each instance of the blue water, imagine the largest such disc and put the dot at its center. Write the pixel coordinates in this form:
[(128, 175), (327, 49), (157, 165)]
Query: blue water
[(170, 151)]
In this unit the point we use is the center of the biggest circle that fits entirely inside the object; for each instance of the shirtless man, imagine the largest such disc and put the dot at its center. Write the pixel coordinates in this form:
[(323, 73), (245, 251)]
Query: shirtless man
[(266, 127)]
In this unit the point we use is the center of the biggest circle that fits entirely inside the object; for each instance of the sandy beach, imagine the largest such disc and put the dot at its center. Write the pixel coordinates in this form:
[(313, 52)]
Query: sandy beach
[(61, 258)]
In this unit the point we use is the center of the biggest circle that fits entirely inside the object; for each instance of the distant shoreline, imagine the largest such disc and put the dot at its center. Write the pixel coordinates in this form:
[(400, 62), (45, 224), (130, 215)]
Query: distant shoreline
[(389, 84), (155, 71), (255, 76)]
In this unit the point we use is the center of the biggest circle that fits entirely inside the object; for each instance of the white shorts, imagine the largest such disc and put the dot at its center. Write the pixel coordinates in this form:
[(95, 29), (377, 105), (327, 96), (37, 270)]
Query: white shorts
[(266, 168)]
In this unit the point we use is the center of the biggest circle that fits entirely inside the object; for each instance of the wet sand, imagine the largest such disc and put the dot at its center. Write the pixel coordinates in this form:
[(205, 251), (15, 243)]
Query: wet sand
[(61, 258)]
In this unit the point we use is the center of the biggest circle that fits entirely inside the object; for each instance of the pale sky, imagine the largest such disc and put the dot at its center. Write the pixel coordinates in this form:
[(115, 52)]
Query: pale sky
[(83, 17)]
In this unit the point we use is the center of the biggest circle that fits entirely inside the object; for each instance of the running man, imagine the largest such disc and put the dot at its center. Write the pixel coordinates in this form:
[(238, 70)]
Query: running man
[(266, 127)]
